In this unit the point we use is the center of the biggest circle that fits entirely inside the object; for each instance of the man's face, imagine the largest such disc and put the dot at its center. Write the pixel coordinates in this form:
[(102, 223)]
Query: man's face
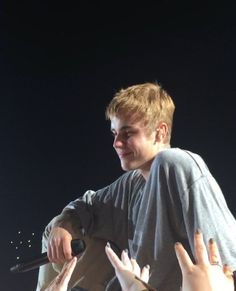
[(134, 144)]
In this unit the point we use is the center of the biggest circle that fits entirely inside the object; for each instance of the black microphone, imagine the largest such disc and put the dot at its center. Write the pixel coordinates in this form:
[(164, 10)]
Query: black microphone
[(77, 246)]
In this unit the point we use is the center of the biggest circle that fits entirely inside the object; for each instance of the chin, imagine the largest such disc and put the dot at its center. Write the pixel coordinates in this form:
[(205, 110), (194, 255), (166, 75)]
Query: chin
[(126, 167)]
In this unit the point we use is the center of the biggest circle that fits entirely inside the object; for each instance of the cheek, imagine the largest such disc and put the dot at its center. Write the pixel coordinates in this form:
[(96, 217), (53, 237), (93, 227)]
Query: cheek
[(132, 143)]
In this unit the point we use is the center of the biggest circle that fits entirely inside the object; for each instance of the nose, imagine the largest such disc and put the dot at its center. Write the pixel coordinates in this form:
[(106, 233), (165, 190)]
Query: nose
[(118, 142)]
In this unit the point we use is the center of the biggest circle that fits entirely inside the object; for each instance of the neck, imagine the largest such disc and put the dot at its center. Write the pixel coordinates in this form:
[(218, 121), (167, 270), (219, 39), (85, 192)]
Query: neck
[(146, 171)]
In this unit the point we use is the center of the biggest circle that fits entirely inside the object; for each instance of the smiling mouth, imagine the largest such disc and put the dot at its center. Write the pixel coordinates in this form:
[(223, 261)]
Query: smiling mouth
[(124, 155)]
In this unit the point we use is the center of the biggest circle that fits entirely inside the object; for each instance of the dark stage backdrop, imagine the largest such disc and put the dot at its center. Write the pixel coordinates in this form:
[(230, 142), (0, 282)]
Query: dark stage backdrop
[(60, 64)]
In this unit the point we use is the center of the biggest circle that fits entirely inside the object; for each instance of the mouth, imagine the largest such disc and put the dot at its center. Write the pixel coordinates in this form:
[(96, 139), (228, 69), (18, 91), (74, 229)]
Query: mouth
[(124, 155)]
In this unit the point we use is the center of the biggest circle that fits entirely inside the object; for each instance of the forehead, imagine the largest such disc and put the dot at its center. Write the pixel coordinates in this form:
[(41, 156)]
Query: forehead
[(120, 122)]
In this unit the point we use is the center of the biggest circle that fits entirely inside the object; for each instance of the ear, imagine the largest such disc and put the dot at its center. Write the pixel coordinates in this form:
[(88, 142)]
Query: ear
[(162, 132)]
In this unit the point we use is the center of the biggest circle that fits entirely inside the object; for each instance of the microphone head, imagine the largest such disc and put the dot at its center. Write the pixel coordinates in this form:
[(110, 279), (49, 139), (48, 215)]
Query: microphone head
[(77, 246)]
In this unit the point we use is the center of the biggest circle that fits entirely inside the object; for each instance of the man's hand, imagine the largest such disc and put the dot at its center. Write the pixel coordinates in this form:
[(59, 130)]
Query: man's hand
[(59, 245)]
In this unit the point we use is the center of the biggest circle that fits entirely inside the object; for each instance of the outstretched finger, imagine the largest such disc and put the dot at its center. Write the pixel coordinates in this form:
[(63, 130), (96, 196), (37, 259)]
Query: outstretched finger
[(145, 273), (135, 267), (184, 260), (68, 270), (113, 258), (214, 255), (126, 260), (201, 254), (62, 279), (228, 271)]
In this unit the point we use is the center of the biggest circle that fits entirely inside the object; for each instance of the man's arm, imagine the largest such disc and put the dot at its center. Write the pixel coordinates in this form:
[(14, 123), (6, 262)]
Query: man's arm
[(101, 214), (64, 228)]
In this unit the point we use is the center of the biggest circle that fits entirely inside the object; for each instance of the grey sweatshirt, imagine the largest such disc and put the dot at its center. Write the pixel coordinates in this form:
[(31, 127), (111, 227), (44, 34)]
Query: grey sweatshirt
[(148, 217)]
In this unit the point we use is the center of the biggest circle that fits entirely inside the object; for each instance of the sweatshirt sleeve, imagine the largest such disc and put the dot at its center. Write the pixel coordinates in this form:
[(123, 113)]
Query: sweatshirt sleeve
[(102, 213)]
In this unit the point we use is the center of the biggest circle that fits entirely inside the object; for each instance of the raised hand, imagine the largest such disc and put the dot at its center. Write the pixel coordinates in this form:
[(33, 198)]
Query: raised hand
[(60, 283), (127, 270), (207, 274)]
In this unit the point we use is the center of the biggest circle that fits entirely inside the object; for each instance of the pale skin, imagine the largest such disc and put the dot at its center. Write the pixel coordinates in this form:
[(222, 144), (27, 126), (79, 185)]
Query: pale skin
[(60, 283), (136, 146), (204, 275), (127, 270)]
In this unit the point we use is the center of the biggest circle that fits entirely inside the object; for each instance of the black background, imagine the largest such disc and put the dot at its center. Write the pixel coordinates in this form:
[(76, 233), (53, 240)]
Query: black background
[(60, 65)]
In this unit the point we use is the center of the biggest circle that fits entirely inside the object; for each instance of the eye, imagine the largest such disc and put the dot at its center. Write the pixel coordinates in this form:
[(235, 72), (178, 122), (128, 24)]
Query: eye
[(128, 134), (113, 134)]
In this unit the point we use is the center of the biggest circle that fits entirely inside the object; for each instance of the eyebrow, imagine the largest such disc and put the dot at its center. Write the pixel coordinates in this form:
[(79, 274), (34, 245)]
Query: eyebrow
[(125, 127)]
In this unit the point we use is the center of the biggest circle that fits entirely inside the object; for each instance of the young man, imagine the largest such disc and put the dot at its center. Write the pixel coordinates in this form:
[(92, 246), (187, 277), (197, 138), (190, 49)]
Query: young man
[(164, 195)]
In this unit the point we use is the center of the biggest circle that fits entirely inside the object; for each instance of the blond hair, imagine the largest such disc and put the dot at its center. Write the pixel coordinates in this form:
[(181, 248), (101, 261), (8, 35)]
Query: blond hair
[(148, 101)]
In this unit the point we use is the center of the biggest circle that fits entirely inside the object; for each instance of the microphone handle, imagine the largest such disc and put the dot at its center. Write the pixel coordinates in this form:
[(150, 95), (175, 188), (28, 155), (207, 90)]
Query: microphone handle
[(27, 266), (77, 245)]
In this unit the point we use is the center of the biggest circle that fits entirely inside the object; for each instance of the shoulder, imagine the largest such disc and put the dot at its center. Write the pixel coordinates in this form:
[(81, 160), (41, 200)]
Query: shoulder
[(176, 157)]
